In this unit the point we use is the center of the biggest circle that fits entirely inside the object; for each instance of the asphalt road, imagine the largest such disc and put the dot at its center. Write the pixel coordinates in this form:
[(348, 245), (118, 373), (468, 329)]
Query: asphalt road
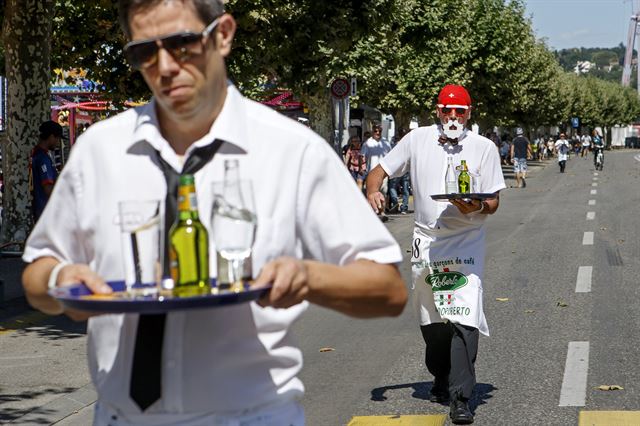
[(535, 252)]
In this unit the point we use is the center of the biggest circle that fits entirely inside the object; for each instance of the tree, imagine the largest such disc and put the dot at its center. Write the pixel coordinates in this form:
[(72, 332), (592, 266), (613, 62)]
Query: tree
[(25, 34)]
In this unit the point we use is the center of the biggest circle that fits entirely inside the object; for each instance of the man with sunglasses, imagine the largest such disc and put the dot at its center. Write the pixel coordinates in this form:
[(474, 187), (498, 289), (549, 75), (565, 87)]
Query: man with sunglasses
[(448, 242), (234, 364), (373, 149)]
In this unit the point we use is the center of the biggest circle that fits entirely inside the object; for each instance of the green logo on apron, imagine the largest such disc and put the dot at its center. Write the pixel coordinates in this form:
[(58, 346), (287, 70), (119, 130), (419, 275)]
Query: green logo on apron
[(446, 281)]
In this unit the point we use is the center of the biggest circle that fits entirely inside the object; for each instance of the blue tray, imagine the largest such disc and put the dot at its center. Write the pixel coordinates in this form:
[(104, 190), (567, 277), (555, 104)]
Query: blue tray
[(79, 297), (467, 196)]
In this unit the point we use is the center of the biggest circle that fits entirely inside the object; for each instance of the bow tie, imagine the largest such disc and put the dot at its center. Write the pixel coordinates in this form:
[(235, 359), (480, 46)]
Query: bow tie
[(443, 140)]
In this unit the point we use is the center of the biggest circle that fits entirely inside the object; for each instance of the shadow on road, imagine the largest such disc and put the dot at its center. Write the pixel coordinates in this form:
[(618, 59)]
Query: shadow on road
[(44, 327), (37, 416), (421, 390)]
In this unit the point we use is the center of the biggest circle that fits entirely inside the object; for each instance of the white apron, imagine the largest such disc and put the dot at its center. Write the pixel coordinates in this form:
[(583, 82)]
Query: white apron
[(447, 277)]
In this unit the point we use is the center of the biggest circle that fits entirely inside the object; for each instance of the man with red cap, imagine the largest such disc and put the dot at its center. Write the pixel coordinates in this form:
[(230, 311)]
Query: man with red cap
[(448, 242)]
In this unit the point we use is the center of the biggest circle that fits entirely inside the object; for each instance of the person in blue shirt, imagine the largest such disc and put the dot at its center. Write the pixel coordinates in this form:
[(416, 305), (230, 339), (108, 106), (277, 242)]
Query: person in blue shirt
[(42, 171)]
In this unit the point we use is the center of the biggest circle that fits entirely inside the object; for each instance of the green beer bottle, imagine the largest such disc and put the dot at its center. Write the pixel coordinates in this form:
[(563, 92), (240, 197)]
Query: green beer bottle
[(188, 250), (464, 180)]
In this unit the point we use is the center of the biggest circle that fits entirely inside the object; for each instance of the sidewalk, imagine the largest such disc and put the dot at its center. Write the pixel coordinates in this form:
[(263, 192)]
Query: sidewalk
[(45, 378)]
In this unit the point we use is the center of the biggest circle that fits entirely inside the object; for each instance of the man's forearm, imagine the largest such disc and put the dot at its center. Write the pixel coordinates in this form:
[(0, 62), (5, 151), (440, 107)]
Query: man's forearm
[(35, 279), (362, 289), (375, 179)]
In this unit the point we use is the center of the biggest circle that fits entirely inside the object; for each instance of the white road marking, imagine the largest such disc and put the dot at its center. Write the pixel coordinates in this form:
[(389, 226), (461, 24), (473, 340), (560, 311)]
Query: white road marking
[(591, 215), (592, 202), (583, 282), (594, 184), (637, 157), (594, 191), (595, 173), (574, 383), (595, 178), (587, 239)]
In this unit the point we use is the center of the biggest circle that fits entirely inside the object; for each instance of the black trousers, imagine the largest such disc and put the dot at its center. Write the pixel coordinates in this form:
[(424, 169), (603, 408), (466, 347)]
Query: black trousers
[(562, 164), (451, 354)]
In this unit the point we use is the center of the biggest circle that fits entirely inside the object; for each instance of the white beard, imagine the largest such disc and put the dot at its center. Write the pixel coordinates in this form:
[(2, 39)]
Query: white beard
[(453, 129)]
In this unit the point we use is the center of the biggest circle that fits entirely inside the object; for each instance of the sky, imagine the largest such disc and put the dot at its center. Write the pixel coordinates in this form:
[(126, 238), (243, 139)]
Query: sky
[(581, 23)]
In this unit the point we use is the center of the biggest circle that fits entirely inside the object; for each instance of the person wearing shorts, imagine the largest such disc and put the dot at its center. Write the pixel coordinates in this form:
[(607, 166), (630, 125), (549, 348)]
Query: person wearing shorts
[(520, 153)]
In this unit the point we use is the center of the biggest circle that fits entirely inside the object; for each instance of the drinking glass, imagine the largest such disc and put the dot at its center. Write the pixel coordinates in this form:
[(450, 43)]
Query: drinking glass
[(142, 245), (233, 225)]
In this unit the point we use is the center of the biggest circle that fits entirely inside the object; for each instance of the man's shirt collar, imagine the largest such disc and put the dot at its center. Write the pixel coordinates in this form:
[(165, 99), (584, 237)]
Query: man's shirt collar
[(229, 126)]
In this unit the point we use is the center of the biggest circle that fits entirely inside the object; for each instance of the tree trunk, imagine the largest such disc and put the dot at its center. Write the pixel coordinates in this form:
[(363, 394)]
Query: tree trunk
[(402, 120), (27, 41), (320, 112)]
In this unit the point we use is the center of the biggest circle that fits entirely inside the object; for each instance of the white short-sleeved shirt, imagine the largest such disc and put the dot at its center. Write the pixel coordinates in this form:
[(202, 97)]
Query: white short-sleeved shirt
[(374, 150), (562, 156), (226, 360), (421, 153)]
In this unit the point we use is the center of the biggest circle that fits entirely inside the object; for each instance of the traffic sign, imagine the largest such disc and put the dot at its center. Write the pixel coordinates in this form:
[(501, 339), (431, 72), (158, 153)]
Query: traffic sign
[(575, 122), (340, 88)]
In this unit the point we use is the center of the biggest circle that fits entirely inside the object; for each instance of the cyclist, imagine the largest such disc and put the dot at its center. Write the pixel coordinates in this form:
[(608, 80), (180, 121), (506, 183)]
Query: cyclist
[(598, 148)]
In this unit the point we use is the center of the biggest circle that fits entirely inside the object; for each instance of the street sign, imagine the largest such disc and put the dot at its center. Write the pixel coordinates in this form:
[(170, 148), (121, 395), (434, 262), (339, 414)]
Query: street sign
[(354, 86), (575, 122), (340, 88)]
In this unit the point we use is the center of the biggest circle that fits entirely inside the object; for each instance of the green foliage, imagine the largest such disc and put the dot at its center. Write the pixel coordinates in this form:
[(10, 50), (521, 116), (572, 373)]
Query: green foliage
[(401, 51), (86, 35)]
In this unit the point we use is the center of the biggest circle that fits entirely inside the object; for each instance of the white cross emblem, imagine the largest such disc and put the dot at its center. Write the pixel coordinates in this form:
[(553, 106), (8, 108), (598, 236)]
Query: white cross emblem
[(451, 95)]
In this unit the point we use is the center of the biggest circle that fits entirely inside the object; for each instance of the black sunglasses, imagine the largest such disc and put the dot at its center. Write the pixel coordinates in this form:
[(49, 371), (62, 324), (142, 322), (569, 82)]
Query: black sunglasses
[(182, 46), (459, 111)]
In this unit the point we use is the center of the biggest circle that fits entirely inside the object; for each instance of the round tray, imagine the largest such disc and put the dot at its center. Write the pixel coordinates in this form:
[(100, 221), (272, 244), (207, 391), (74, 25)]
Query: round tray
[(78, 296), (468, 196)]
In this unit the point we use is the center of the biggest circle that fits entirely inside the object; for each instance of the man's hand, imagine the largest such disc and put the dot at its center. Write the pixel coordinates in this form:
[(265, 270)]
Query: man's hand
[(77, 273), (376, 200), (289, 277), (36, 277), (467, 207)]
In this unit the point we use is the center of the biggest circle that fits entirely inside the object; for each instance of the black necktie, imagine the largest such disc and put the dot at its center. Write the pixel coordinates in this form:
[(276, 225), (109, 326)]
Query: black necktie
[(146, 378)]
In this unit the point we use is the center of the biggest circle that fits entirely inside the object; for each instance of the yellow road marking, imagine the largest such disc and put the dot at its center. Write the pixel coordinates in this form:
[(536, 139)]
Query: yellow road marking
[(397, 420), (609, 418), (21, 322)]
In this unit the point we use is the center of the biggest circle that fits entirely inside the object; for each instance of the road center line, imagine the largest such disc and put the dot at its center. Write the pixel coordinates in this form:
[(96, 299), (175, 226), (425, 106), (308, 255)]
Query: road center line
[(583, 282), (595, 178), (595, 173), (591, 215), (594, 184), (594, 191), (587, 239), (574, 383), (592, 202)]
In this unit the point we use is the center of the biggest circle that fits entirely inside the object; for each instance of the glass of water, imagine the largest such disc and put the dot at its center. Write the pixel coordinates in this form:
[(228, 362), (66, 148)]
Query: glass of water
[(233, 232), (142, 245)]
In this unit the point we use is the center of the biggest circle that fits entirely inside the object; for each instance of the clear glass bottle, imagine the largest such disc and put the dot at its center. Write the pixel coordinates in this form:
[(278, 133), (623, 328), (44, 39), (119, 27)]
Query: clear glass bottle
[(451, 178), (189, 245)]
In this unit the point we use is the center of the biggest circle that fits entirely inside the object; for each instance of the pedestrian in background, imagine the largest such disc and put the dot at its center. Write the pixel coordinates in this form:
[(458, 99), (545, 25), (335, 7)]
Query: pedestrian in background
[(586, 144), (399, 184), (374, 149), (448, 243), (355, 161), (520, 153), (42, 171), (238, 365), (562, 149)]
